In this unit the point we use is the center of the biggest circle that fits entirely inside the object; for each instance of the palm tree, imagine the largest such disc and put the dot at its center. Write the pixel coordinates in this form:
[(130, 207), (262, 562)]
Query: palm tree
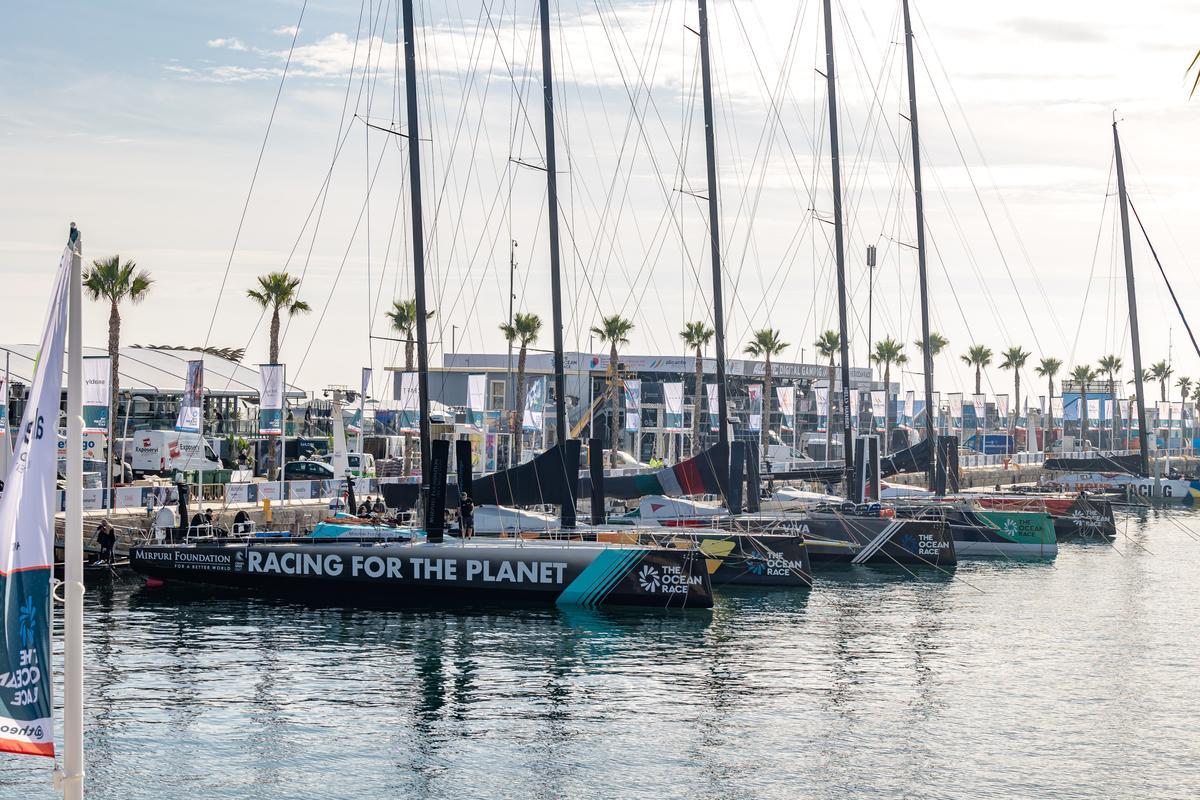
[(828, 345), (404, 319), (1047, 368), (615, 330), (937, 343), (1161, 372), (764, 344), (1185, 386), (113, 280), (888, 352), (696, 336), (1110, 365), (978, 356), (522, 332), (277, 291), (1014, 359), (1083, 375)]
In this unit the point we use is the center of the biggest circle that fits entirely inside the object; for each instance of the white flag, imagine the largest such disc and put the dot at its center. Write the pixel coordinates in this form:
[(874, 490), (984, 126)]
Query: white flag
[(26, 549), (714, 419), (878, 403), (1002, 406), (190, 419), (673, 406), (956, 404), (633, 405), (96, 394), (910, 401), (756, 406)]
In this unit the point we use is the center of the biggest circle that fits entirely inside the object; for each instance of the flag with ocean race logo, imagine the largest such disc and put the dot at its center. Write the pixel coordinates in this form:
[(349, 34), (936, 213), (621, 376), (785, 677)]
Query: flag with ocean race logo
[(26, 549)]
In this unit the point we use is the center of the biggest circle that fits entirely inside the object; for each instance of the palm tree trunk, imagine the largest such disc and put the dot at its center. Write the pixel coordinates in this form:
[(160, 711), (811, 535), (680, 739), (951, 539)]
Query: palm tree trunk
[(699, 392), (766, 407), (275, 336), (829, 414), (978, 379), (612, 403), (1083, 415), (408, 440), (518, 423), (1016, 409), (887, 407), (114, 388), (1048, 431)]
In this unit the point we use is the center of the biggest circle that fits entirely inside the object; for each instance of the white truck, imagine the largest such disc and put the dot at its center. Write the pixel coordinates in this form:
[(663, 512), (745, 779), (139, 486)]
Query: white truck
[(163, 452)]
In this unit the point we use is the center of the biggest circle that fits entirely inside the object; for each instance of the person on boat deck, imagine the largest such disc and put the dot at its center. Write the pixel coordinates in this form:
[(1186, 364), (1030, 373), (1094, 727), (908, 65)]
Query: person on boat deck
[(466, 516), (378, 507), (107, 539), (364, 510)]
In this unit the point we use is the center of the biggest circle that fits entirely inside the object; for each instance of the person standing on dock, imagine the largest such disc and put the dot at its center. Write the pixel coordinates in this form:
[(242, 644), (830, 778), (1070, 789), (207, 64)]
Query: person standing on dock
[(466, 517), (107, 539)]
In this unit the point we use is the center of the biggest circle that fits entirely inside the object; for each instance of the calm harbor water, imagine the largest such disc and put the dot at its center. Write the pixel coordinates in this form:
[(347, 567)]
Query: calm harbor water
[(1071, 679)]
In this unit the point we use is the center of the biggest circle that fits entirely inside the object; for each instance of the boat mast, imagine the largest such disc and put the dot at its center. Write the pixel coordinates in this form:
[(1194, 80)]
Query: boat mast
[(560, 394), (418, 234), (73, 668), (714, 236), (1134, 333), (919, 205), (839, 248), (560, 390)]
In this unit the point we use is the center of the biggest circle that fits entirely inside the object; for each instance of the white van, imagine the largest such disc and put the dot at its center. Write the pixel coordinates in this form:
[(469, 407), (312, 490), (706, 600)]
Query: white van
[(167, 451), (362, 465)]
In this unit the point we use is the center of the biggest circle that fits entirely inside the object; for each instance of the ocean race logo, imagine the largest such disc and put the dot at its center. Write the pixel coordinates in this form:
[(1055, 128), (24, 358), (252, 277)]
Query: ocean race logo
[(771, 563), (666, 579)]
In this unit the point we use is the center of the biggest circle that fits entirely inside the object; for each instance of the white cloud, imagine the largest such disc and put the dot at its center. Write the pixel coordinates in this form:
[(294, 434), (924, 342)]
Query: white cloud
[(286, 30), (227, 44)]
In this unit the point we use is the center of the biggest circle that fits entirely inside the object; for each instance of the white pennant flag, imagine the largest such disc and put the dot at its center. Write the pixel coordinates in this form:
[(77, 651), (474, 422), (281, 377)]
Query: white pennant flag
[(26, 549)]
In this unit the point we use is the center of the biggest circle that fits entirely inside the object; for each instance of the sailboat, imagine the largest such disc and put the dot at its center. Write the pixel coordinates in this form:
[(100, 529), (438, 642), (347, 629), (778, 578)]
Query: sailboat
[(420, 566)]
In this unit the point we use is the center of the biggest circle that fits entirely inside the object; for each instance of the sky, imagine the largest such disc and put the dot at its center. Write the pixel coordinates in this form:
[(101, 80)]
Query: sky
[(171, 135)]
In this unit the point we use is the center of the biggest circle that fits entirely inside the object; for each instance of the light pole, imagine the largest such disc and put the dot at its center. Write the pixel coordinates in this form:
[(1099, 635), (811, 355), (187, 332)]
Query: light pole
[(871, 302), (453, 339)]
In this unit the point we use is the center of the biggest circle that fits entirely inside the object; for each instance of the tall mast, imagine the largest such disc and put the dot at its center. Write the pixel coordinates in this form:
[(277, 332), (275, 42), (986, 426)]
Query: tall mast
[(919, 205), (714, 232), (1135, 334), (418, 233), (839, 246), (560, 392), (73, 665)]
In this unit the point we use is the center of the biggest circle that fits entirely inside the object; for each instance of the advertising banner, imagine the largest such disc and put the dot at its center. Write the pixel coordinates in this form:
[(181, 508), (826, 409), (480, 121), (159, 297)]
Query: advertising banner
[(956, 405), (878, 403), (755, 391), (96, 394), (408, 393), (673, 406), (910, 400), (190, 417), (535, 406), (1002, 406), (270, 399), (633, 405), (714, 418), (476, 399), (786, 397)]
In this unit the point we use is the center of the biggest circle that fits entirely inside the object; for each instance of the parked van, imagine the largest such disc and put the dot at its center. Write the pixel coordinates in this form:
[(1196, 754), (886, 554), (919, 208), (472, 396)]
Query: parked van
[(163, 452), (362, 465)]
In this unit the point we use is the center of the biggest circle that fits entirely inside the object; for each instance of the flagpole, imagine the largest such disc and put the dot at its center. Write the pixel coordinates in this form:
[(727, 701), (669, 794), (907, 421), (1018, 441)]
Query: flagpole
[(73, 545)]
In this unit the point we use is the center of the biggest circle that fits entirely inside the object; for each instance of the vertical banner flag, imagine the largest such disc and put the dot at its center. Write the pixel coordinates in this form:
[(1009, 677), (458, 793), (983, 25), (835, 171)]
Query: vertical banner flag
[(633, 405), (1056, 407), (980, 403), (878, 403), (956, 405), (476, 399), (756, 406), (1002, 406), (910, 401), (714, 418), (270, 399), (535, 406), (190, 404), (673, 406), (356, 422), (822, 398), (786, 395), (1093, 408), (96, 395), (407, 393), (26, 710), (854, 400)]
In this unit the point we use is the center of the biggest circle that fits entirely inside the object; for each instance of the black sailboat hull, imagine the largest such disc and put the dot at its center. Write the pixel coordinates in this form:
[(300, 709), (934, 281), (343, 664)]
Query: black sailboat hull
[(734, 559), (407, 574)]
